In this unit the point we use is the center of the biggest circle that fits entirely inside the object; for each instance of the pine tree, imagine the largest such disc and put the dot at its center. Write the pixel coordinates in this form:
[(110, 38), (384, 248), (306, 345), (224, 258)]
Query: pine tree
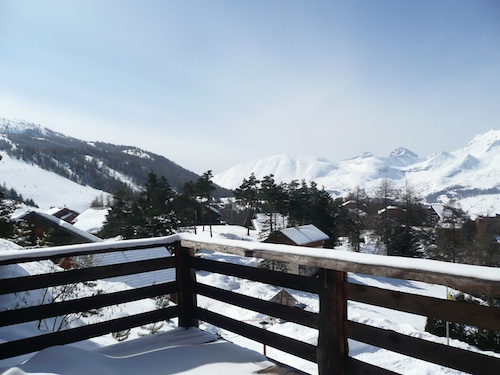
[(383, 223), (270, 193), (357, 223), (247, 195), (156, 207), (204, 188), (6, 209), (119, 221), (22, 234)]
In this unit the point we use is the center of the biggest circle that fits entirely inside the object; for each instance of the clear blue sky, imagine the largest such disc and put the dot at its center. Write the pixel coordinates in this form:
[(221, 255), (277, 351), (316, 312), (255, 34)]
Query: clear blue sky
[(212, 83)]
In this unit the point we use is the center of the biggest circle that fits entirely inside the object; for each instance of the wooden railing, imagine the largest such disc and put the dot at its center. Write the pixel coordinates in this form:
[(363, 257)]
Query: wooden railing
[(334, 328)]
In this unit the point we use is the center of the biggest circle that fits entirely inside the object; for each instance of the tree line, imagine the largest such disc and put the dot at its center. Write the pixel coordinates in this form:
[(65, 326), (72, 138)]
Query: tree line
[(299, 202), (158, 210)]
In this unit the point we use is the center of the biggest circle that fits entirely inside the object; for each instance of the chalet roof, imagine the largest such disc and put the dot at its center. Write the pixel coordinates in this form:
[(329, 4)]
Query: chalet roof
[(283, 291), (305, 234), (63, 225), (91, 220), (62, 213)]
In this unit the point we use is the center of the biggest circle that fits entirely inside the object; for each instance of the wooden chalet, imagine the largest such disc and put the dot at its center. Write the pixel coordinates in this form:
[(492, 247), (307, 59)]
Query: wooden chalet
[(61, 232), (283, 297), (305, 235)]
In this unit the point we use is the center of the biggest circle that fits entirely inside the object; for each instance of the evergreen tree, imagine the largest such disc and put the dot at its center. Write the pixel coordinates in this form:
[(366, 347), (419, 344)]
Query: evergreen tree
[(451, 242), (297, 203), (383, 223), (187, 206), (156, 208), (248, 195), (6, 209), (322, 212), (22, 234), (119, 219), (356, 218), (204, 188), (270, 194)]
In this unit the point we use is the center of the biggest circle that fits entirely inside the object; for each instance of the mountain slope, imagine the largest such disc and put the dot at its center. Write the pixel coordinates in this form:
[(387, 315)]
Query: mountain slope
[(46, 188), (470, 175), (100, 165), (87, 168)]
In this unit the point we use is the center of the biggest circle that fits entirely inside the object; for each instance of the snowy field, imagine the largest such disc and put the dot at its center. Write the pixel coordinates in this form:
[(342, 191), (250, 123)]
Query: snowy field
[(405, 323)]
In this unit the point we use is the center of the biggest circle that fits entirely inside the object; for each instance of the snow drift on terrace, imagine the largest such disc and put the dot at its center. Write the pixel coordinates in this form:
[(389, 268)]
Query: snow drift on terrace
[(194, 352), (469, 175), (46, 188)]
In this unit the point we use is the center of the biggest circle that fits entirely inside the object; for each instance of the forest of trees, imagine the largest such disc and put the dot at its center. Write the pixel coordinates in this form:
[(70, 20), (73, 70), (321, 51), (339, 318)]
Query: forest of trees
[(158, 210)]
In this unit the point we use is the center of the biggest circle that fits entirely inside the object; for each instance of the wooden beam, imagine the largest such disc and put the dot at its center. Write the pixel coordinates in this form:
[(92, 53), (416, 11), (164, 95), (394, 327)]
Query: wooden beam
[(289, 345), (288, 313), (332, 341), (463, 278), (448, 356), (453, 311), (19, 284), (185, 277), (36, 343), (303, 283), (34, 313)]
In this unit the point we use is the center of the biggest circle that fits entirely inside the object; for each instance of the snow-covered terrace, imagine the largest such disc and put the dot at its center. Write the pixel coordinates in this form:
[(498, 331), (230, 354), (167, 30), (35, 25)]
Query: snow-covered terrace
[(201, 353)]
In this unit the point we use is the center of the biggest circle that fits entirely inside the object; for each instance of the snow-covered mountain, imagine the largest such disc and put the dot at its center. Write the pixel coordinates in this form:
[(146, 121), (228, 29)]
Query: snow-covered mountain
[(470, 175), (56, 170)]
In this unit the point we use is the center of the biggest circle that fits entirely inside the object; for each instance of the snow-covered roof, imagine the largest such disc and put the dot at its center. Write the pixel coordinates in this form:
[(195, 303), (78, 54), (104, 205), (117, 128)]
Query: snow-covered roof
[(390, 208), (305, 234), (91, 220), (64, 225)]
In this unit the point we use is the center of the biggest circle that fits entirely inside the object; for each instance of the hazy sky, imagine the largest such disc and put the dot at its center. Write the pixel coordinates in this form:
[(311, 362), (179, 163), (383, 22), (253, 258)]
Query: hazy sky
[(212, 83)]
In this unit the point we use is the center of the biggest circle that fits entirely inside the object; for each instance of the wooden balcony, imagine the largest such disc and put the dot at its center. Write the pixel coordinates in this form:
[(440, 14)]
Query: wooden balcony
[(331, 354)]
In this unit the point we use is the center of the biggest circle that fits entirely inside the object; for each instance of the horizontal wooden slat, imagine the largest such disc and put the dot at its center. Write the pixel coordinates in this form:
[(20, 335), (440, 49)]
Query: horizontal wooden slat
[(461, 312), (292, 314), (447, 356), (18, 284), (356, 367), (286, 280), (35, 313), (33, 344), (286, 344), (82, 249)]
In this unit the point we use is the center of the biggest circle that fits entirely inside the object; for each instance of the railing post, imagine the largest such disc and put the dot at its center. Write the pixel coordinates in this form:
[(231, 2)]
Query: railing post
[(185, 277), (332, 347)]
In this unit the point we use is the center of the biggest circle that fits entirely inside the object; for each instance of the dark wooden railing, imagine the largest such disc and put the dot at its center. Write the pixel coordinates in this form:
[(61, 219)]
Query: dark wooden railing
[(334, 328)]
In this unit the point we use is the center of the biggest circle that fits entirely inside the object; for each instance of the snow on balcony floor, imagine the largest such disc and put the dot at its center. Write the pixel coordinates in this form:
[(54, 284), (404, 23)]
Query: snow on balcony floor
[(181, 351)]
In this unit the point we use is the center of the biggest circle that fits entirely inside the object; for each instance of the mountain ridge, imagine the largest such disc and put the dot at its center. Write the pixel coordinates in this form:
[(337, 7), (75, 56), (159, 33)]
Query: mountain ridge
[(443, 177), (98, 165)]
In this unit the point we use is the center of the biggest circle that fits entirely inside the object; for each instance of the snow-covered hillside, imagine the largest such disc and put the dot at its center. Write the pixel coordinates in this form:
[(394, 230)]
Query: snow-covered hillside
[(470, 175), (46, 188)]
